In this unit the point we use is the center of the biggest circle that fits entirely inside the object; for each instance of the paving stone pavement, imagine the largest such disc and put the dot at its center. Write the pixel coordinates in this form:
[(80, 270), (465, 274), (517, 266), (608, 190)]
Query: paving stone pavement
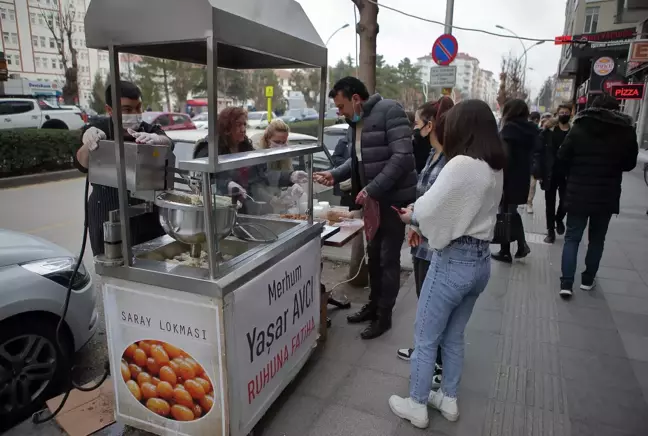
[(535, 365)]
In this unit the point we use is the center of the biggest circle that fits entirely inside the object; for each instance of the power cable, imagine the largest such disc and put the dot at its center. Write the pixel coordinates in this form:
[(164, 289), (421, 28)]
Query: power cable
[(467, 29)]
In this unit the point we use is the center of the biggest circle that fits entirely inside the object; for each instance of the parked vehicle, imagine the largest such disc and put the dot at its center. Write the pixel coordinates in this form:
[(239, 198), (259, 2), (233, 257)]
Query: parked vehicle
[(333, 134), (305, 114), (332, 114), (31, 113), (259, 119), (201, 121), (169, 120), (35, 275)]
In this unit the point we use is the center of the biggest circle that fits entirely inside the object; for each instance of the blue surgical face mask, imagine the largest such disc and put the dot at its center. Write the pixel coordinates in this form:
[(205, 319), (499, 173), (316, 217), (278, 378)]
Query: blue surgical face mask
[(356, 118)]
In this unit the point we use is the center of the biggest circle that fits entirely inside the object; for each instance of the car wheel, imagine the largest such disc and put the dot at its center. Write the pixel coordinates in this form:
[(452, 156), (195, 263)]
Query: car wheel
[(31, 366)]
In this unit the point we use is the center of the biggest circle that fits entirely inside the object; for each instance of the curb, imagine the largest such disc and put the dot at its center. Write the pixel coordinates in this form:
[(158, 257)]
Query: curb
[(33, 179)]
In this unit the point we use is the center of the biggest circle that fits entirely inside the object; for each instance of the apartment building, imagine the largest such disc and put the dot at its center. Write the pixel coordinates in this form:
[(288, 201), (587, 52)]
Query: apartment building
[(471, 80), (31, 48)]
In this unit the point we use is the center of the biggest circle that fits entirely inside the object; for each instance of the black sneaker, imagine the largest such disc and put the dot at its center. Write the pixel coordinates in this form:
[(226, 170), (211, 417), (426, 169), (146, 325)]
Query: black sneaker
[(566, 294), (560, 227), (587, 284), (502, 257), (405, 353)]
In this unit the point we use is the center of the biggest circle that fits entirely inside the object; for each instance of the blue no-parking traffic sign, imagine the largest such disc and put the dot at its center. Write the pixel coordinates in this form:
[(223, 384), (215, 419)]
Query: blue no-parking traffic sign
[(444, 49)]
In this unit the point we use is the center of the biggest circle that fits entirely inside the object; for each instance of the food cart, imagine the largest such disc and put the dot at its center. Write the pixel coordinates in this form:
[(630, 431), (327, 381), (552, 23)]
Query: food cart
[(205, 326)]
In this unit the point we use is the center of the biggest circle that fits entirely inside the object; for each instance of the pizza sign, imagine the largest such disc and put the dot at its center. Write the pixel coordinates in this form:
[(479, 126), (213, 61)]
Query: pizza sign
[(603, 66), (628, 92)]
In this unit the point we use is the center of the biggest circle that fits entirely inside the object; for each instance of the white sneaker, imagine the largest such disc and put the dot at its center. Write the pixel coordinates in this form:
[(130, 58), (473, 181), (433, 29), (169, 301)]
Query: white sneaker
[(410, 410), (446, 405), (529, 208), (588, 286)]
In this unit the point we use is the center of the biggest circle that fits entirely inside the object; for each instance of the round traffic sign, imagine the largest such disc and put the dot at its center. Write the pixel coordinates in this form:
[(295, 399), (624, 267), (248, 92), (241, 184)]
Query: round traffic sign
[(444, 49)]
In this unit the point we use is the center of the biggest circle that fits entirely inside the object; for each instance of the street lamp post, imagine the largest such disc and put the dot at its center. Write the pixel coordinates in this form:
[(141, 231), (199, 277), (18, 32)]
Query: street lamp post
[(524, 53), (327, 73)]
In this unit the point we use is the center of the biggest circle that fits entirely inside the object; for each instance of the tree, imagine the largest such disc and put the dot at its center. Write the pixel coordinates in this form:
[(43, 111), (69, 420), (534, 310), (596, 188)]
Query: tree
[(387, 79), (59, 24), (98, 98), (148, 82), (182, 78), (345, 67), (233, 83), (308, 83), (545, 96), (258, 80), (367, 29), (158, 71), (511, 80), (410, 84)]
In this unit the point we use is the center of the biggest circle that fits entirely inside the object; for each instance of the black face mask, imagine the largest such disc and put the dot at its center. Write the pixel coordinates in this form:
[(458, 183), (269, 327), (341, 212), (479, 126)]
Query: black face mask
[(563, 119), (417, 136)]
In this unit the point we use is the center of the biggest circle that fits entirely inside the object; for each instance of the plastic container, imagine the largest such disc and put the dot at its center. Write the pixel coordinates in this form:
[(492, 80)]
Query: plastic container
[(319, 212)]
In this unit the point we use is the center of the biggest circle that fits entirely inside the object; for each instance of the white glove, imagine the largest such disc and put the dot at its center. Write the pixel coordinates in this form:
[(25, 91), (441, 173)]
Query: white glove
[(296, 192), (299, 177), (91, 138), (148, 138), (233, 186)]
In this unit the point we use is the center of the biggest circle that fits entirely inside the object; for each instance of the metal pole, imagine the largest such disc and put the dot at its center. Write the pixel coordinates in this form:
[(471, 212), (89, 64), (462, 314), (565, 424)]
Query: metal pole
[(210, 233), (120, 156), (212, 102), (449, 16)]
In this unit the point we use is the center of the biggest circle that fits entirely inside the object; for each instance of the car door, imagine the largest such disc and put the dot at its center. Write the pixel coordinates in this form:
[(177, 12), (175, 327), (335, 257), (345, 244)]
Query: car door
[(164, 121), (19, 114), (180, 122)]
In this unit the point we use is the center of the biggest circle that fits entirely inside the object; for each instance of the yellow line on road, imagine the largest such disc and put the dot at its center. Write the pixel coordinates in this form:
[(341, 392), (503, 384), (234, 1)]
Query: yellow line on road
[(51, 227)]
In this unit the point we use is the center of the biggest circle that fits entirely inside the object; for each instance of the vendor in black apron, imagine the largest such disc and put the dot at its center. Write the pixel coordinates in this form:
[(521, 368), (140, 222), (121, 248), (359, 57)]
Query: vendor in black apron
[(104, 199)]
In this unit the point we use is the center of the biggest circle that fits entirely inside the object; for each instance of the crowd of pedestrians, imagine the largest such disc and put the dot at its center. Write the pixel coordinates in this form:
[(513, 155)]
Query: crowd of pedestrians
[(444, 183)]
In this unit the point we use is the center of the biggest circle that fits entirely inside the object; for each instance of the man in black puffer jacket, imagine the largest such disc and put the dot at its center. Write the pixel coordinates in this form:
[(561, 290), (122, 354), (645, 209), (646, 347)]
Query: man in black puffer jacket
[(381, 167), (601, 145)]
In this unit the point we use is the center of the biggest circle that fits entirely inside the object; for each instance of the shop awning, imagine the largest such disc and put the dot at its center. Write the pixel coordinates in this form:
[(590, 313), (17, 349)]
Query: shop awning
[(197, 102)]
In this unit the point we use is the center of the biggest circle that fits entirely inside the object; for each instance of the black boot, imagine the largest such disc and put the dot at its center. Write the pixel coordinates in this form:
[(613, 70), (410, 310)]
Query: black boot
[(502, 256), (367, 313), (523, 251), (551, 237), (378, 326)]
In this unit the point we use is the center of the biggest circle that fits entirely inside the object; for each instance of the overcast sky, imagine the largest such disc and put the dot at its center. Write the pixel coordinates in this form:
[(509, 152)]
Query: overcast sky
[(402, 36)]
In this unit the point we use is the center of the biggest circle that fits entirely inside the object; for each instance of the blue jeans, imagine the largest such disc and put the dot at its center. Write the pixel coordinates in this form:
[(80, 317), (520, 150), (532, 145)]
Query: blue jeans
[(455, 278), (598, 227)]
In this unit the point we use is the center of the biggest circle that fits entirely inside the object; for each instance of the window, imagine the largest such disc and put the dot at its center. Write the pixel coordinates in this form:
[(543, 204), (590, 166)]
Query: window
[(32, 17), (162, 120), (3, 13), (9, 59), (14, 38), (50, 23), (40, 20), (43, 42), (591, 19), (179, 120), (12, 15), (60, 65), (35, 41), (37, 62), (52, 43), (53, 64), (17, 60)]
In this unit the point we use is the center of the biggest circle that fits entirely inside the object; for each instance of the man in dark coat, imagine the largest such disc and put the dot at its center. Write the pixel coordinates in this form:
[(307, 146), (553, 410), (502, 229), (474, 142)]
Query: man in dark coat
[(551, 175), (601, 145), (381, 167)]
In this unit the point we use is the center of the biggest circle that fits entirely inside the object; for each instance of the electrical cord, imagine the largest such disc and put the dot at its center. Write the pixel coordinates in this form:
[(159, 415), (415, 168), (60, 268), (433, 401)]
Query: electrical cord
[(70, 383), (467, 29)]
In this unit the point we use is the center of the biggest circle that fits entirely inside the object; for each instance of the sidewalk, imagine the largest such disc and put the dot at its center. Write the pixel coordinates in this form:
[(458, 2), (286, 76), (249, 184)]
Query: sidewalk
[(535, 365)]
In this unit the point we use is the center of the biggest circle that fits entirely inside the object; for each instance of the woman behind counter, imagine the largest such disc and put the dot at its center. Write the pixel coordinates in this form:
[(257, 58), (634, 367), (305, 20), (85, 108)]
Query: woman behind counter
[(253, 180)]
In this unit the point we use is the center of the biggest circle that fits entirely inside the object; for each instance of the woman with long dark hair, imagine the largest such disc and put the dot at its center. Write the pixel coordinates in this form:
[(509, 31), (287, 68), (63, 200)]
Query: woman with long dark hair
[(428, 133), (457, 217), (521, 138)]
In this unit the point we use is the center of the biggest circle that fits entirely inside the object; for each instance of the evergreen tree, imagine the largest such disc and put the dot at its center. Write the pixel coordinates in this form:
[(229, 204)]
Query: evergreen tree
[(98, 97)]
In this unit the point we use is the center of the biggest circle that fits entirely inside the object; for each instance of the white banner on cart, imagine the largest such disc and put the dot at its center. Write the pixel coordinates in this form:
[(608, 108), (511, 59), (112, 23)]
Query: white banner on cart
[(277, 318), (165, 352)]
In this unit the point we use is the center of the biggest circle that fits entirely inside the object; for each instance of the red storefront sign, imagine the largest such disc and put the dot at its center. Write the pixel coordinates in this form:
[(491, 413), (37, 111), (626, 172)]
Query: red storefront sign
[(628, 92)]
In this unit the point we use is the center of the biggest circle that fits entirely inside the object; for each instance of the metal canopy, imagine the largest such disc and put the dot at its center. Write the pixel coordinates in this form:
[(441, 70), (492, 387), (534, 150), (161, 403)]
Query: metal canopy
[(250, 33)]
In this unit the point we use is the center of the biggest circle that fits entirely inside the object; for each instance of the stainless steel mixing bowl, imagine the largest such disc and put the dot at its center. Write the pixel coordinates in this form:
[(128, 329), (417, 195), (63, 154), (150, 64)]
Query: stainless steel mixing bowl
[(185, 221)]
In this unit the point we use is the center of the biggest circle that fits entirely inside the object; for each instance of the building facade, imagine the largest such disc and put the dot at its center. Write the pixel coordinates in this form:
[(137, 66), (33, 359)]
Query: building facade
[(471, 80), (606, 27), (31, 48)]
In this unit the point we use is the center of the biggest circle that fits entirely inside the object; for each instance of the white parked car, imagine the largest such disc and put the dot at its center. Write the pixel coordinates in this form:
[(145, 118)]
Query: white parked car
[(201, 121), (28, 113), (259, 120)]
